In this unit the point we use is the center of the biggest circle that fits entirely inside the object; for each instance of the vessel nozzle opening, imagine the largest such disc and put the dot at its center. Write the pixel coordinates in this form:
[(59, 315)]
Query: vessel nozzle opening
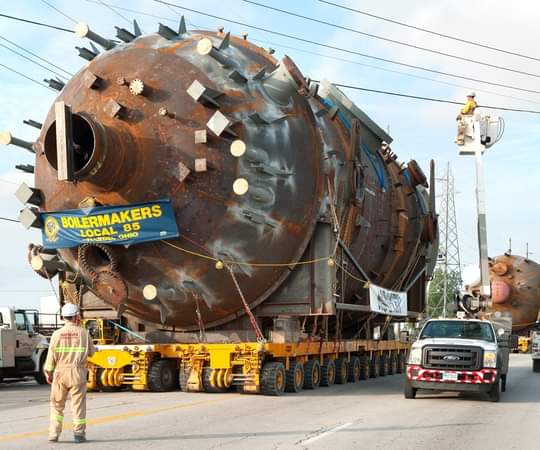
[(84, 141)]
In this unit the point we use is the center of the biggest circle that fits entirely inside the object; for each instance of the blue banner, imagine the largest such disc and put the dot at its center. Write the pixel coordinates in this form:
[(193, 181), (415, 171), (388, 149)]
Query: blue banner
[(120, 225)]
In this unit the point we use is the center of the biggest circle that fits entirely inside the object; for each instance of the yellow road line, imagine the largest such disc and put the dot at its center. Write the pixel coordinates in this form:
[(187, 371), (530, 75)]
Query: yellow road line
[(118, 417)]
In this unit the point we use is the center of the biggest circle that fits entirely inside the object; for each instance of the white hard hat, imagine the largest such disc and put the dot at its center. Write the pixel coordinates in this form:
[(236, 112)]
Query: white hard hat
[(471, 94), (70, 310)]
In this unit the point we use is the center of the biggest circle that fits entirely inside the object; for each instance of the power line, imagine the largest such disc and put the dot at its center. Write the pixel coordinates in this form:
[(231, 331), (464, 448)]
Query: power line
[(27, 77), (32, 61), (384, 69), (431, 99), (59, 11), (393, 41), (435, 33), (114, 11), (33, 54), (7, 219), (20, 19), (353, 52), (336, 58)]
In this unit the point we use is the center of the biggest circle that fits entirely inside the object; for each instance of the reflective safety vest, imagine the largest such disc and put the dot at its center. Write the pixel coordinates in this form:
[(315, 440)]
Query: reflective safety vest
[(70, 347)]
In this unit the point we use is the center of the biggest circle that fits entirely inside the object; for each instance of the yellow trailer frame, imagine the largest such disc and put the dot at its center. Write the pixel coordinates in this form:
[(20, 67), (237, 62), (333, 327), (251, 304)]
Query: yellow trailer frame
[(268, 368)]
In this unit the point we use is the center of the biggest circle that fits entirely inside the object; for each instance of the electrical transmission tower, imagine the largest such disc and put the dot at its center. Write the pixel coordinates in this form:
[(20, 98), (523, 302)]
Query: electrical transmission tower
[(448, 263)]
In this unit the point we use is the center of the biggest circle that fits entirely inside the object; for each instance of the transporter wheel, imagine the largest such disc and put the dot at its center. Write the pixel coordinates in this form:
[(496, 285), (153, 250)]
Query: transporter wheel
[(408, 390), (354, 370), (374, 366), (393, 364), (494, 394), (342, 370), (328, 372), (40, 376), (207, 383), (183, 376), (295, 377), (162, 376), (365, 368), (384, 362), (312, 374), (102, 387), (536, 365), (400, 363), (273, 378)]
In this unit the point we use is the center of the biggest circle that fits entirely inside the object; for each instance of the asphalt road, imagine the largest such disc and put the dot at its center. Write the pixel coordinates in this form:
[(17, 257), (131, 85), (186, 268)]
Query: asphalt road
[(370, 414)]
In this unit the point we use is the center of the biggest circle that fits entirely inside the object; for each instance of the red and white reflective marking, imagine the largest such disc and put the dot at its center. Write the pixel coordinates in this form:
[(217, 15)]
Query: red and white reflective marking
[(417, 373)]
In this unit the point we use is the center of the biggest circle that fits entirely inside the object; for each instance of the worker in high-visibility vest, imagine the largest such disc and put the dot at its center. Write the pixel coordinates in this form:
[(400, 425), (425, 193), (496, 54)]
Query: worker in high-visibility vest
[(66, 370), (467, 110)]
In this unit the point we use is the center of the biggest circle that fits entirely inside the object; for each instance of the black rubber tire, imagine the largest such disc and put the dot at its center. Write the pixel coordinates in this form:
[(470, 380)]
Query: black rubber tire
[(328, 373), (494, 394), (207, 385), (354, 370), (295, 377), (273, 378), (183, 376), (408, 390), (342, 370), (374, 367), (101, 387), (536, 365), (400, 363), (312, 374), (365, 368), (40, 376), (383, 365), (393, 364), (163, 376)]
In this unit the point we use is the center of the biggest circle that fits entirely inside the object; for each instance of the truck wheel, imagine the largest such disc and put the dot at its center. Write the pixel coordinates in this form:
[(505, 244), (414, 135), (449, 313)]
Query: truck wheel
[(273, 378), (355, 370), (409, 391), (101, 387), (365, 368), (183, 376), (392, 364), (295, 377), (536, 365), (207, 384), (342, 370), (400, 363), (40, 376), (384, 362), (494, 394), (162, 376), (374, 367), (312, 374), (328, 373)]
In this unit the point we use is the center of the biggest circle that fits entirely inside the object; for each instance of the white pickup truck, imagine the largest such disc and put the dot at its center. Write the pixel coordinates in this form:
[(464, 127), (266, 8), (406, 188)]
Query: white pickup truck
[(22, 349), (464, 355)]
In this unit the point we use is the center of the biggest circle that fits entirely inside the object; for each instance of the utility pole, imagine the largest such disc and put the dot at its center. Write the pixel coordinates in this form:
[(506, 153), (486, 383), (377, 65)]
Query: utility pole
[(448, 254)]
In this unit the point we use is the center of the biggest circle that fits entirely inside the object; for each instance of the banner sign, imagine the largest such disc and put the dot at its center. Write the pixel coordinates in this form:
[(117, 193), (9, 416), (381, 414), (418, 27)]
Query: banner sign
[(387, 302), (120, 225)]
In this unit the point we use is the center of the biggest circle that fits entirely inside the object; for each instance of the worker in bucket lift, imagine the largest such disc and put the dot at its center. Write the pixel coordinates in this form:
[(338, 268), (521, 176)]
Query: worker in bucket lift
[(467, 110), (66, 370)]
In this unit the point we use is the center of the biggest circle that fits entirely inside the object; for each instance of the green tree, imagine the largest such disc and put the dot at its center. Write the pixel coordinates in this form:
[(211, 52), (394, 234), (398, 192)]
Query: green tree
[(436, 293)]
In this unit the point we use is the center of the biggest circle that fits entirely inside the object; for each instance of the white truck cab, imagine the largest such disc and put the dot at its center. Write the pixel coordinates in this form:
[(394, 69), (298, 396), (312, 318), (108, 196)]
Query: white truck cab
[(461, 355), (22, 349)]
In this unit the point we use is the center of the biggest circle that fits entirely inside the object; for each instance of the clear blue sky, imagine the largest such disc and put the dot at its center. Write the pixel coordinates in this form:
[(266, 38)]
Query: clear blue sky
[(420, 130)]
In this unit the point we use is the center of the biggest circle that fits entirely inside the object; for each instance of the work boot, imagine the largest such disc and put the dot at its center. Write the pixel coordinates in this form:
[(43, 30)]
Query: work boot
[(79, 438), (53, 438)]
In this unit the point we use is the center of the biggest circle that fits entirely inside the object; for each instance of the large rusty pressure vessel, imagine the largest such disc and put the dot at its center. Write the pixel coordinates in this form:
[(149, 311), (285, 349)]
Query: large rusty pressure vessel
[(515, 288), (264, 170)]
